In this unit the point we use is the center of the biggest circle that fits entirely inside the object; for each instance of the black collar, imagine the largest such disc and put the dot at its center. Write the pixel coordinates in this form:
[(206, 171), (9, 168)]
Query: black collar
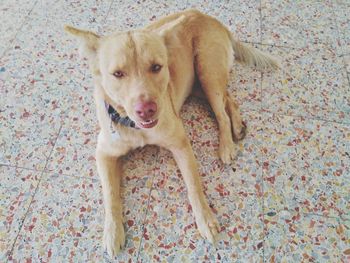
[(116, 118)]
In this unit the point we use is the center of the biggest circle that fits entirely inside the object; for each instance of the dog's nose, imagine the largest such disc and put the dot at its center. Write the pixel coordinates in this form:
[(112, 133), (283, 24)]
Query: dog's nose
[(146, 110)]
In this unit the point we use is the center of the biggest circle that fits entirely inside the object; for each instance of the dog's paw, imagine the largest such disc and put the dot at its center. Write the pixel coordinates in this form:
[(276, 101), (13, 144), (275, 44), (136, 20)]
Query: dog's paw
[(208, 225), (113, 237), (240, 132), (227, 151)]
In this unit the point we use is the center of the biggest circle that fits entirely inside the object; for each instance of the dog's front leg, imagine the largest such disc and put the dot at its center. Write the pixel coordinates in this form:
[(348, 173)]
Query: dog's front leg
[(109, 170), (205, 219)]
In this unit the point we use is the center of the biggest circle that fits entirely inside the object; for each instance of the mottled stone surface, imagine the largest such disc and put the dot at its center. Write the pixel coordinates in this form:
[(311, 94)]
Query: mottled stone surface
[(285, 198)]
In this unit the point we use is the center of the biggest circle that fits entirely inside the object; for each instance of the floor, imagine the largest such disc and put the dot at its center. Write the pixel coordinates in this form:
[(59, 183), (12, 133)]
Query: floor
[(285, 198)]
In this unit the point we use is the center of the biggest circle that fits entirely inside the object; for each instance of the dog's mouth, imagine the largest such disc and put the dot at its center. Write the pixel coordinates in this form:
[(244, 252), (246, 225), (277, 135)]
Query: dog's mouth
[(147, 124)]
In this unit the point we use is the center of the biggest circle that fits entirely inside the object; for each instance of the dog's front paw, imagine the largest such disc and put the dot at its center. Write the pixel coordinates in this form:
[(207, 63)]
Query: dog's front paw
[(227, 151), (113, 236), (207, 225)]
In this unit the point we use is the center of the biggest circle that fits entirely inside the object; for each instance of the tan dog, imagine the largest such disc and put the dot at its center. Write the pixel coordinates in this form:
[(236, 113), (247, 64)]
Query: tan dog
[(143, 77)]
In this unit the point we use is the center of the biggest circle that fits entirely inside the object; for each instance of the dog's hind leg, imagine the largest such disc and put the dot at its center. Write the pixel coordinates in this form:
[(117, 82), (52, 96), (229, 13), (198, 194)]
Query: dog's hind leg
[(238, 127), (218, 100), (212, 67)]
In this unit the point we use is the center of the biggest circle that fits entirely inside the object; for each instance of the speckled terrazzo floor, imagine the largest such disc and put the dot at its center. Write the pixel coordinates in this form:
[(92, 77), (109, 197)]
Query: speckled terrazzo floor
[(285, 198)]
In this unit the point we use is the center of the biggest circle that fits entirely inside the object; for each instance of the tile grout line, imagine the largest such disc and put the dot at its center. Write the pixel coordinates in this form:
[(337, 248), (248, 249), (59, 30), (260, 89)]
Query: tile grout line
[(260, 153), (42, 172), (327, 45), (348, 75), (308, 118), (338, 218), (261, 22), (103, 23), (343, 53), (313, 49), (148, 204), (295, 116), (19, 30), (21, 167), (108, 12), (339, 35), (72, 176), (33, 195)]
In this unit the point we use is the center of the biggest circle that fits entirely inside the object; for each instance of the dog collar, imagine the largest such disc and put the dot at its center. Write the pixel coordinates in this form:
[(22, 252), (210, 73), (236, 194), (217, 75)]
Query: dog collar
[(116, 118)]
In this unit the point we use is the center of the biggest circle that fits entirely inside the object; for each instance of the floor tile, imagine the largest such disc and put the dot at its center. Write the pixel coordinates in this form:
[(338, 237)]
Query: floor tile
[(347, 65), (295, 237), (283, 199), (341, 10), (69, 102), (8, 30), (241, 17), (23, 6), (26, 144), (170, 233), (245, 86), (306, 166), (140, 14), (16, 64), (345, 3), (66, 223), (22, 53), (233, 192), (30, 123), (77, 105), (299, 24), (50, 102), (88, 14), (74, 153), (62, 49), (218, 178), (17, 187), (141, 166), (129, 15), (44, 51), (13, 15), (311, 83)]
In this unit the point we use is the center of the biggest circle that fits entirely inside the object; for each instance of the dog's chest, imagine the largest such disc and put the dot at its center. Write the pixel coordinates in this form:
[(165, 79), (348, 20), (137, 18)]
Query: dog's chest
[(182, 82)]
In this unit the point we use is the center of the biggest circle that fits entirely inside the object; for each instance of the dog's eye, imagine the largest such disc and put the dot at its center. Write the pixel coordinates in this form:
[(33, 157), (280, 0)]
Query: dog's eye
[(119, 74), (155, 68)]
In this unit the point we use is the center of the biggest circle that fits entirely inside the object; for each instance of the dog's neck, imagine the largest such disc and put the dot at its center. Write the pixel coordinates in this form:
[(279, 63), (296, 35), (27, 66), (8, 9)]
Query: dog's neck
[(116, 118)]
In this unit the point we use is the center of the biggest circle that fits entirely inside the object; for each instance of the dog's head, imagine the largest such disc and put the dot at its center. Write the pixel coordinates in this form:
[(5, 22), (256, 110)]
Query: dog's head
[(132, 68)]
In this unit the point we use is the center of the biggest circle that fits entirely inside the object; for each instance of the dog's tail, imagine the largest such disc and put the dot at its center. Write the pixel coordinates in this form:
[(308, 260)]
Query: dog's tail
[(253, 57)]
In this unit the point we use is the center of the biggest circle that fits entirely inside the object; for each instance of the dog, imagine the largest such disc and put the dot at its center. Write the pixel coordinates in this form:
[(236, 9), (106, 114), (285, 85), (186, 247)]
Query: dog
[(142, 78)]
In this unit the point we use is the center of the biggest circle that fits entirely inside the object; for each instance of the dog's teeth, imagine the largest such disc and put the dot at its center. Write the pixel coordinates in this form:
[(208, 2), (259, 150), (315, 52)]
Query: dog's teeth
[(147, 122)]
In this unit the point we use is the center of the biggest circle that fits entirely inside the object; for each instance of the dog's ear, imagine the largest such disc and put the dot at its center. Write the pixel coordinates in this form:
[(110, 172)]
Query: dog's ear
[(89, 41), (164, 29)]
